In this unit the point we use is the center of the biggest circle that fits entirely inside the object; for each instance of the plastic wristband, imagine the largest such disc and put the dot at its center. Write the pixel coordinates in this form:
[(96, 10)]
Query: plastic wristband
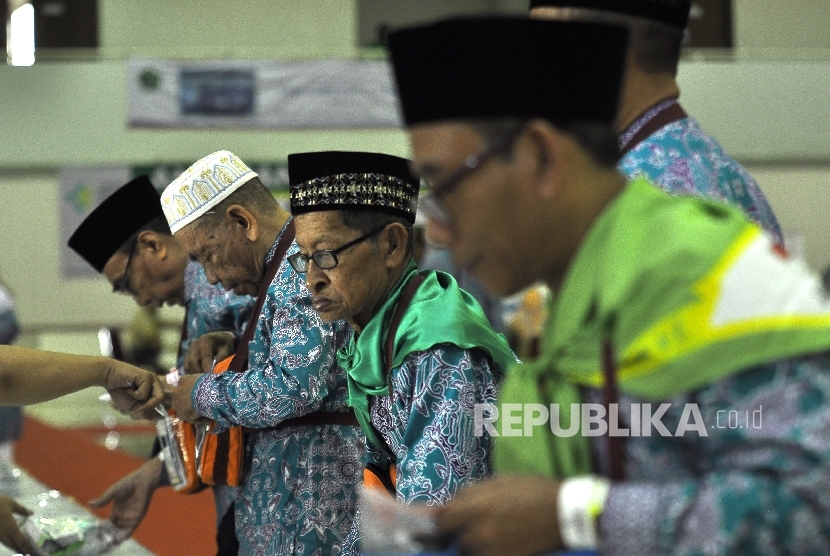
[(173, 377), (581, 501)]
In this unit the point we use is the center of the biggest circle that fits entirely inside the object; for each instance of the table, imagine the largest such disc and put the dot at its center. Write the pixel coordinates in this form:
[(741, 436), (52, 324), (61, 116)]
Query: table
[(27, 490)]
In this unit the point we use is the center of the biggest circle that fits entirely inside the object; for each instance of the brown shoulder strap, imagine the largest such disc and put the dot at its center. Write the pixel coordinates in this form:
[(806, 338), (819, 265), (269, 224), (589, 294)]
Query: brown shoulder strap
[(611, 394), (403, 304), (671, 113), (240, 358)]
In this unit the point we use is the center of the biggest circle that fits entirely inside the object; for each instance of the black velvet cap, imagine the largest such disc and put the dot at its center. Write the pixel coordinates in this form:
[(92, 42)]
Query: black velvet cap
[(479, 68), (115, 220), (670, 12), (340, 180)]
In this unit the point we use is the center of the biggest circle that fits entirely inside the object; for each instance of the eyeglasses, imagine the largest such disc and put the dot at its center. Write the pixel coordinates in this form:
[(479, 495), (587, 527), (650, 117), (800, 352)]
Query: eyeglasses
[(430, 203), (122, 283), (326, 259)]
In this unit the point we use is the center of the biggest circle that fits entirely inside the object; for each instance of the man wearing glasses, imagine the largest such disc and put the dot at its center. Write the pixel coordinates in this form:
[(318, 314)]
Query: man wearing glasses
[(304, 449), (669, 310), (423, 353), (127, 239)]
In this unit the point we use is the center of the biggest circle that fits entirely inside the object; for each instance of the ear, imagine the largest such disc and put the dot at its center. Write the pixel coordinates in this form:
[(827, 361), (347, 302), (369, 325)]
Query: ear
[(395, 238), (548, 153), (153, 242), (241, 219)]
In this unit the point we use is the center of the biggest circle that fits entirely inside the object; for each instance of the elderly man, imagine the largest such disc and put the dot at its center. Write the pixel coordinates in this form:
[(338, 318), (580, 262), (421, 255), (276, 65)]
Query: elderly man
[(669, 315), (29, 376), (127, 239), (304, 452), (657, 138), (423, 353)]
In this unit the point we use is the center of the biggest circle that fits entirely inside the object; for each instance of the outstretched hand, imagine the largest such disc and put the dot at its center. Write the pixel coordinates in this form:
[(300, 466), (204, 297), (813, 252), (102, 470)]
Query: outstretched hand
[(10, 533), (509, 515), (131, 495), (133, 391)]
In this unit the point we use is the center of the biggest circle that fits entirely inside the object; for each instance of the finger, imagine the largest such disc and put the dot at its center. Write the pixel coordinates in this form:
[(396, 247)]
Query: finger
[(21, 543), (105, 498), (155, 397), (208, 361), (20, 510), (454, 517)]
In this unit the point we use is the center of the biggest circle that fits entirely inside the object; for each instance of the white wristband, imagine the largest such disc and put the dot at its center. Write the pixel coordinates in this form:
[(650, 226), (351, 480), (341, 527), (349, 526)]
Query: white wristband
[(173, 376), (581, 500)]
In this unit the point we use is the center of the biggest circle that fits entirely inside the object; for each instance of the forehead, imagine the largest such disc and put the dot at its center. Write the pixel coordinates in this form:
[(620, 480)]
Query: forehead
[(316, 227)]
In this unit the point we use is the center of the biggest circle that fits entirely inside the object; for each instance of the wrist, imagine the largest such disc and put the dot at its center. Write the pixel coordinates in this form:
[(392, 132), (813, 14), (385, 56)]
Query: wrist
[(580, 504)]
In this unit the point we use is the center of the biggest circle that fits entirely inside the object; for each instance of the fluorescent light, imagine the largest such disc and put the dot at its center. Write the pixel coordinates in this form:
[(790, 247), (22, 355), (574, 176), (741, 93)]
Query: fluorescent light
[(21, 46)]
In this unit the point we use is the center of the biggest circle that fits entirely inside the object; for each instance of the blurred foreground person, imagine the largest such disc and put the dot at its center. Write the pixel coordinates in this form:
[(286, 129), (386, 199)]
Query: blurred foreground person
[(669, 314)]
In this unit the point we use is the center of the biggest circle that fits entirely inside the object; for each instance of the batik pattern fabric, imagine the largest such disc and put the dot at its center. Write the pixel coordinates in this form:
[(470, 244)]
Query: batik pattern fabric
[(758, 483), (682, 159), (299, 491), (210, 308), (428, 424)]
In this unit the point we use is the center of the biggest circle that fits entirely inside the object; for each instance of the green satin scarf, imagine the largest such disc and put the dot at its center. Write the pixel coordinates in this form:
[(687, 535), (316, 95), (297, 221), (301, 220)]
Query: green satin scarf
[(440, 313), (684, 290)]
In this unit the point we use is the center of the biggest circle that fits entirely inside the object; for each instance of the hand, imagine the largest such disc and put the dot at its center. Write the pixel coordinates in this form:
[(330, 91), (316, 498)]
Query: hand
[(10, 533), (133, 390), (122, 402), (181, 401), (207, 349), (509, 515), (131, 496)]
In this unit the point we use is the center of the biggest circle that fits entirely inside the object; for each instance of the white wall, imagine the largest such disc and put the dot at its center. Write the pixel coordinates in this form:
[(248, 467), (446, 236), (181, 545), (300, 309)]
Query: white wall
[(772, 114)]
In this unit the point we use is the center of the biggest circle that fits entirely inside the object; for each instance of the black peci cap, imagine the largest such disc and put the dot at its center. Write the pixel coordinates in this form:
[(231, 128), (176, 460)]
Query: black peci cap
[(340, 180), (670, 12), (115, 220), (479, 68)]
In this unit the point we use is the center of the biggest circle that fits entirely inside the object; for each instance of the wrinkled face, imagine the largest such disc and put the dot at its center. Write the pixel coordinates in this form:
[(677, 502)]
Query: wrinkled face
[(148, 279), (490, 232), (225, 256), (353, 289)]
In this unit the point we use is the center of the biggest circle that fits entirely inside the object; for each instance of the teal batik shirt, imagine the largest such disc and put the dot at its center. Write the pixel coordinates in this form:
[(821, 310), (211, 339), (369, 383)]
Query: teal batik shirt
[(682, 159), (300, 489), (210, 308)]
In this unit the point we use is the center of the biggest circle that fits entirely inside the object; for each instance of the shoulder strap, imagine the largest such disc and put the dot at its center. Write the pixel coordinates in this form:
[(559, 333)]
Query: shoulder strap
[(389, 346), (616, 453), (240, 358), (403, 305), (671, 113)]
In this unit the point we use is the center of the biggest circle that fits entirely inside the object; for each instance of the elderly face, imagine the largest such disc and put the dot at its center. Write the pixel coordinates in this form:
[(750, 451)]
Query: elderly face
[(152, 274), (227, 259), (491, 230), (354, 289)]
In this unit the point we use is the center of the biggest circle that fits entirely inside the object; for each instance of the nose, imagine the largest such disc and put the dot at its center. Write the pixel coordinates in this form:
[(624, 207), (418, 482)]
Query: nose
[(438, 233), (315, 279)]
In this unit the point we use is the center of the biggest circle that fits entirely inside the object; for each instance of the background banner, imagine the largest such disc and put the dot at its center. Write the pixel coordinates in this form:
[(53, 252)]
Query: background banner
[(311, 94)]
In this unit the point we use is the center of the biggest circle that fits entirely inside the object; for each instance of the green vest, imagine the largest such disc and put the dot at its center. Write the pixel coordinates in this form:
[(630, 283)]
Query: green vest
[(688, 292)]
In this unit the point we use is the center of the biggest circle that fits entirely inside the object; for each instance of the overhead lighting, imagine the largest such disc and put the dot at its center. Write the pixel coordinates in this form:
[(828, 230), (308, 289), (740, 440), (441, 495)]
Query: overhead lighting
[(21, 40)]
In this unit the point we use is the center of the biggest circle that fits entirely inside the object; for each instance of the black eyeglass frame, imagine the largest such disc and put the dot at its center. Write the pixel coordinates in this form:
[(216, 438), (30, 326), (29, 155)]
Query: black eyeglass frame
[(430, 203), (296, 258), (122, 283)]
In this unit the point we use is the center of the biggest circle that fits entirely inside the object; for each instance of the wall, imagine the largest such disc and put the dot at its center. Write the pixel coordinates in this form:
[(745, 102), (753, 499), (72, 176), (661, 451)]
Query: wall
[(766, 103)]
